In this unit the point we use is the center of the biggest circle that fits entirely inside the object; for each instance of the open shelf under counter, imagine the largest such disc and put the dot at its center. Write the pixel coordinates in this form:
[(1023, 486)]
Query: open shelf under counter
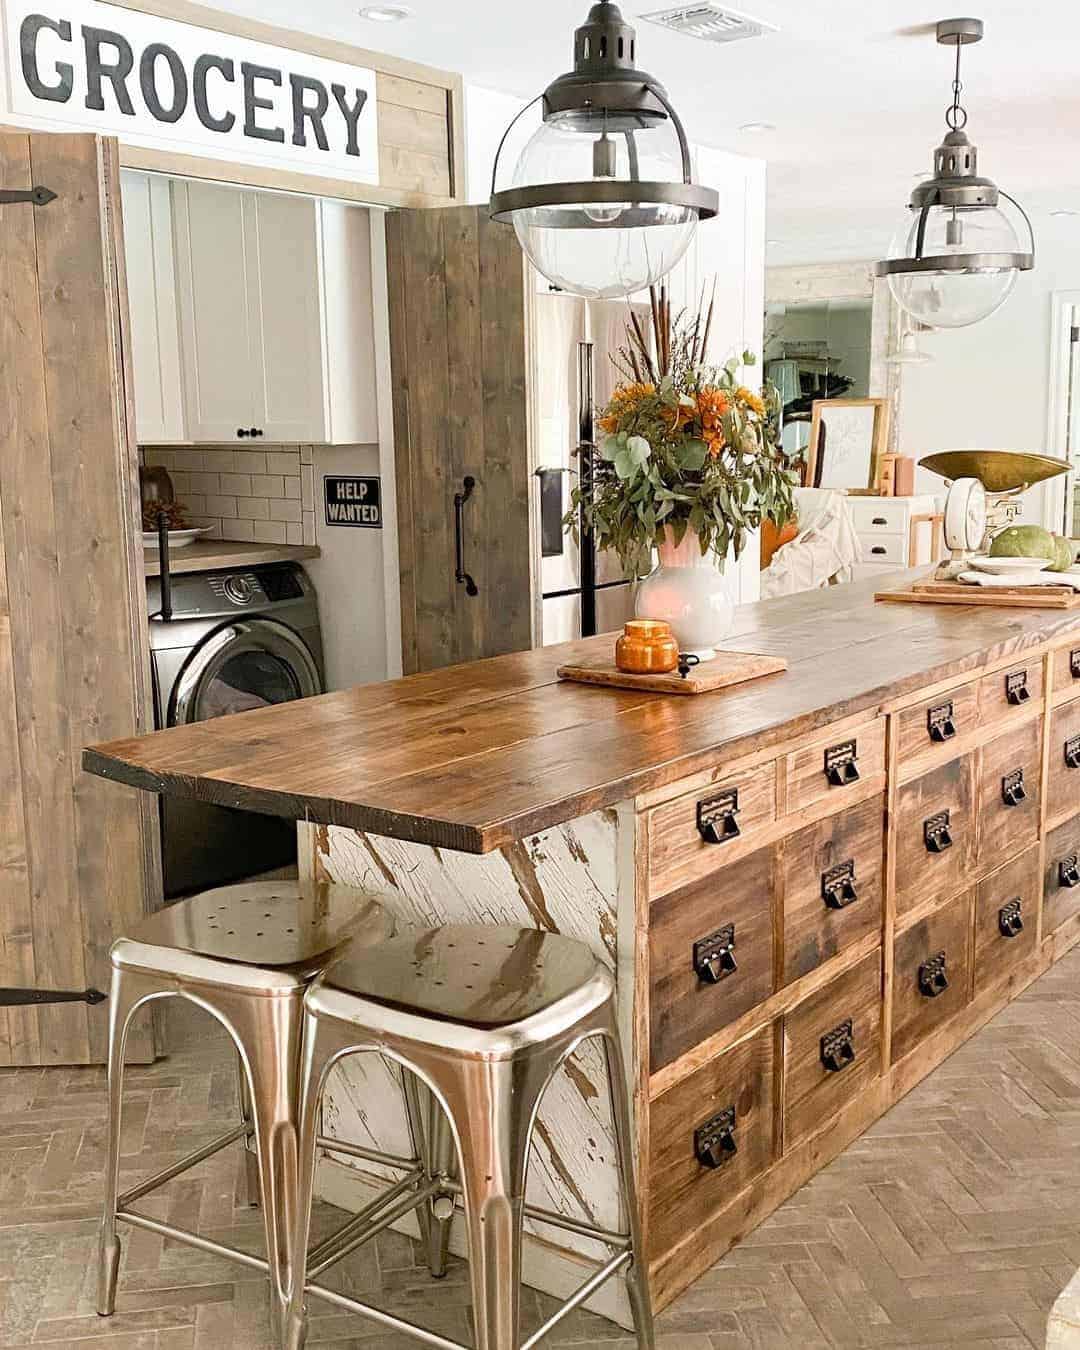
[(205, 555)]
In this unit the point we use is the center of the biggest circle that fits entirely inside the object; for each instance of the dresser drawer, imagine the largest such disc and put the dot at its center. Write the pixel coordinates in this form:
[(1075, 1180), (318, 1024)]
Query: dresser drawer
[(1009, 793), (1065, 664), (884, 548), (1006, 918), (832, 1049), (831, 886), (926, 730), (694, 835), (1007, 693), (1063, 780), (1061, 877), (835, 764), (931, 973), (710, 953), (710, 1136), (884, 517), (935, 833)]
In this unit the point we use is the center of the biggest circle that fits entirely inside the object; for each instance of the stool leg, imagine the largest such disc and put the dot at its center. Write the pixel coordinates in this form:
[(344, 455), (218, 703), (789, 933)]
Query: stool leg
[(268, 1029), (443, 1163), (413, 1092), (492, 1105), (123, 995), (251, 1158), (637, 1275)]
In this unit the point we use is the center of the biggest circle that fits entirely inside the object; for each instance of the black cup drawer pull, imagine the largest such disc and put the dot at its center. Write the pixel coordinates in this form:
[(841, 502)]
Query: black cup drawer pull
[(716, 817), (1013, 791), (1072, 752), (878, 549), (932, 977), (1074, 663), (879, 520), (838, 1047), (1069, 871), (841, 764), (941, 722), (838, 888), (714, 956), (1016, 688), (936, 833), (1011, 919), (714, 1142)]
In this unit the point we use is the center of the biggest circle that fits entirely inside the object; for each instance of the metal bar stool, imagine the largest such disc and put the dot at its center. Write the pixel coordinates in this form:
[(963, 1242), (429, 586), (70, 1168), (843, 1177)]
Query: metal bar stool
[(484, 1017), (246, 954)]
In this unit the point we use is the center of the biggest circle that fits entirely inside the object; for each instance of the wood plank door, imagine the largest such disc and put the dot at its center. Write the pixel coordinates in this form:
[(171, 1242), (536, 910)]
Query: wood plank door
[(458, 343), (77, 855)]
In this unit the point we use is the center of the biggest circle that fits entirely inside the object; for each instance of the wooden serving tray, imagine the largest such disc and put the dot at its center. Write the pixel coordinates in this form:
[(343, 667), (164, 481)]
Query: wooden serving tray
[(726, 668), (964, 593)]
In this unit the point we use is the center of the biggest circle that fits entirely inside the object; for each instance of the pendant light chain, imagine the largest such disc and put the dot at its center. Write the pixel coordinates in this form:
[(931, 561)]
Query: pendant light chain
[(956, 116)]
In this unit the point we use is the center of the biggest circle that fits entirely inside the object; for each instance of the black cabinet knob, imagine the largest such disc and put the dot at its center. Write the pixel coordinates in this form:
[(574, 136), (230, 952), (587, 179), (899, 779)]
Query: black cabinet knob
[(242, 432)]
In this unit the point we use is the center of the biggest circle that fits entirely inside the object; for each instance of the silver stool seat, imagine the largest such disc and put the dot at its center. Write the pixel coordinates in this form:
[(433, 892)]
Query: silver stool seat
[(246, 954), (483, 1017)]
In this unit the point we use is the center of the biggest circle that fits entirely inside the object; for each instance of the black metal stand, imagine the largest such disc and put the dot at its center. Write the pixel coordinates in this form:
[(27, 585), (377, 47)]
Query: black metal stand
[(585, 454)]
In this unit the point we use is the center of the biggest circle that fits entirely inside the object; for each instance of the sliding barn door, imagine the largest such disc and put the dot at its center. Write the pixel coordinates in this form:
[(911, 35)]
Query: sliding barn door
[(77, 855), (458, 342)]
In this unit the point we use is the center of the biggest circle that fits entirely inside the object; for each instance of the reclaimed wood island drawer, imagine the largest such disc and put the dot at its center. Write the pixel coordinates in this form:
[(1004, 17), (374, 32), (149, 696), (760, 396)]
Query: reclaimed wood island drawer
[(1065, 667), (1061, 875), (711, 1135), (832, 1049), (935, 834), (1007, 694), (710, 954), (1009, 793), (1006, 918), (1063, 778), (931, 973), (831, 886), (926, 730), (833, 765)]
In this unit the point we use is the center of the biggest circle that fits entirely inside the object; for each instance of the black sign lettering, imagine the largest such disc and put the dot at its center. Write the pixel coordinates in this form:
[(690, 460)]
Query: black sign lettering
[(351, 114), (28, 39), (303, 110), (254, 102), (173, 111), (203, 66), (97, 69), (353, 501)]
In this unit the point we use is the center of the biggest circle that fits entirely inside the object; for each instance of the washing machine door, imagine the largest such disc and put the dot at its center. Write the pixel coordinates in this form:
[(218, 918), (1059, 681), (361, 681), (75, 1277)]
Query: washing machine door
[(251, 663)]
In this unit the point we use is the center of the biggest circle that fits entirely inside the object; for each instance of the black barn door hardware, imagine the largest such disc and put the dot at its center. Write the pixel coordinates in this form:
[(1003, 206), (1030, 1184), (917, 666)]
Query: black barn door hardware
[(460, 498), (932, 977), (27, 998), (714, 956), (714, 1142), (36, 196), (841, 764), (716, 817)]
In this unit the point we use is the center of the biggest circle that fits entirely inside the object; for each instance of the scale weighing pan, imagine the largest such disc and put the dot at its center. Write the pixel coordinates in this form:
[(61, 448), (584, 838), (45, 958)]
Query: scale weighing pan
[(997, 470)]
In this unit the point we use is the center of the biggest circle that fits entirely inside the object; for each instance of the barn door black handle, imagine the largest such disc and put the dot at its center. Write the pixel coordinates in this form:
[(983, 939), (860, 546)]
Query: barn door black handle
[(460, 498), (31, 998)]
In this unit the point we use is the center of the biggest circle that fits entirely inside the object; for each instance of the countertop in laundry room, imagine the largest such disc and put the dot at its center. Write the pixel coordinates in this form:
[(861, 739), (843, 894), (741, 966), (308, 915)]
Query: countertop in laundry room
[(205, 555)]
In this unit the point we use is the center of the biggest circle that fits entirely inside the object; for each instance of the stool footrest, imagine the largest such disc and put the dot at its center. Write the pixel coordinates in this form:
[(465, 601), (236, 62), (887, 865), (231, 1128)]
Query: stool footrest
[(364, 1224), (578, 1298), (384, 1318), (368, 1154), (204, 1244), (191, 1160)]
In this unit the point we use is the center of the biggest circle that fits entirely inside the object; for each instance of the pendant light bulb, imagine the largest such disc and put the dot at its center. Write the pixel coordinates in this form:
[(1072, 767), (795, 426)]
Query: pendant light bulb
[(956, 257), (605, 159)]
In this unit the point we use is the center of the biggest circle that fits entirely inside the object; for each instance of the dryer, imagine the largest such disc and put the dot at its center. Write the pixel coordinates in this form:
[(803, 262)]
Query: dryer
[(237, 639)]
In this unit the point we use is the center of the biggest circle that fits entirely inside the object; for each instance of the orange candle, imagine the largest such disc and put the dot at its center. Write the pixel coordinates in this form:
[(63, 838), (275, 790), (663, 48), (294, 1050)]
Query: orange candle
[(646, 647)]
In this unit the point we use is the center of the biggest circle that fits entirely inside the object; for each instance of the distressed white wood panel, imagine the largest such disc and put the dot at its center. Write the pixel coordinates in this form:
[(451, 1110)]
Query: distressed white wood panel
[(562, 880)]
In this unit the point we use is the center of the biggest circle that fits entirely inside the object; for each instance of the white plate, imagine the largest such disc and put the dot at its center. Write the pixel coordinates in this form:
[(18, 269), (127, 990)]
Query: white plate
[(1001, 566), (177, 538)]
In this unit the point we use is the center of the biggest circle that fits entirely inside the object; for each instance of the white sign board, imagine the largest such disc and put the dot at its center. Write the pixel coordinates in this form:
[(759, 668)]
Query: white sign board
[(80, 65)]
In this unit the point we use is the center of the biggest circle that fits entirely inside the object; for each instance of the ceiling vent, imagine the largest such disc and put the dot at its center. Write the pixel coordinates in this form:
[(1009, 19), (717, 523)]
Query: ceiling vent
[(709, 22)]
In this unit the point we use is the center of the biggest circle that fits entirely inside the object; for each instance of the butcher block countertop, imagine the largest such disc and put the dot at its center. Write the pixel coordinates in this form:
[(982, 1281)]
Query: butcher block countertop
[(205, 555), (475, 756)]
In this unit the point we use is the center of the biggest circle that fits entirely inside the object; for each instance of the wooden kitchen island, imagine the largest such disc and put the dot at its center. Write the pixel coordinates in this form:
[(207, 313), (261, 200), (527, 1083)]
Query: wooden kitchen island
[(811, 888)]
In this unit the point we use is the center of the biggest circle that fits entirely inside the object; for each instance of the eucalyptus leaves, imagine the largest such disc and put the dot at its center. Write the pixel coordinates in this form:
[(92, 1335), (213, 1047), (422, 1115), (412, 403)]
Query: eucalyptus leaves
[(683, 446)]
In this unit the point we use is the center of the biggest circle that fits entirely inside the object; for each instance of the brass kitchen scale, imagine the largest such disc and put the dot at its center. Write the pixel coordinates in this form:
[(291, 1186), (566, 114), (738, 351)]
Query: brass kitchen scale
[(984, 498)]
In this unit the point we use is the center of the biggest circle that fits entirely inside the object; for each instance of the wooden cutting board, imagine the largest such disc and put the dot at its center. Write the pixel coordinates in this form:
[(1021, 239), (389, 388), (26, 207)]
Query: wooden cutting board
[(964, 593), (726, 669)]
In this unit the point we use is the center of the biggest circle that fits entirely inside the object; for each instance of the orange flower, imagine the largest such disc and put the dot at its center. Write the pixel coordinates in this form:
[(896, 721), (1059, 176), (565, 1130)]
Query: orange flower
[(750, 400), (712, 404), (622, 401)]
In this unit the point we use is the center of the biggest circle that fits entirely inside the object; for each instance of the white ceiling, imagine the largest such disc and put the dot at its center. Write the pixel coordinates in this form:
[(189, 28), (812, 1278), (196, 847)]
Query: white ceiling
[(856, 89)]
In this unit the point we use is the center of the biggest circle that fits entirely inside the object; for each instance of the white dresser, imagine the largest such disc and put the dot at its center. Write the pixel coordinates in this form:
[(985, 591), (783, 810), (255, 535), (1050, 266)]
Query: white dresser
[(897, 532)]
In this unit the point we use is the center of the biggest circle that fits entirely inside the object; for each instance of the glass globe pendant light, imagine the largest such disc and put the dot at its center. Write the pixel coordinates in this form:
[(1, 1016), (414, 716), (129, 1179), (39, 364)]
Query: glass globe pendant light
[(602, 196), (955, 259)]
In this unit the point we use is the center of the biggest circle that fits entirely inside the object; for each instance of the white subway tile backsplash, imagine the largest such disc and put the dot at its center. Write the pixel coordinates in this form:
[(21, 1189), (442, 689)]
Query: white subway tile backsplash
[(309, 527), (237, 484), (241, 530), (253, 508), (191, 461), (281, 508), (307, 454), (292, 487), (248, 461), (269, 531), (225, 507), (267, 485), (283, 461), (294, 534), (195, 505), (181, 483), (307, 486), (204, 482)]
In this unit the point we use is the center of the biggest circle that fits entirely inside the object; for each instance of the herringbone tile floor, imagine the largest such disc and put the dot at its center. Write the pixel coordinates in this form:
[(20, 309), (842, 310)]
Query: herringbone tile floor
[(954, 1222)]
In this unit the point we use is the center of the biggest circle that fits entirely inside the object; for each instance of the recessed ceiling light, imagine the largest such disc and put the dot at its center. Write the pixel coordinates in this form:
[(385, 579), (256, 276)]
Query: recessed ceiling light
[(757, 128), (1065, 211), (385, 13)]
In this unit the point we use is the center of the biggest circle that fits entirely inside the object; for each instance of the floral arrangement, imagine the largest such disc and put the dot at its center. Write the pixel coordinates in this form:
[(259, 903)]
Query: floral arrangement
[(683, 445)]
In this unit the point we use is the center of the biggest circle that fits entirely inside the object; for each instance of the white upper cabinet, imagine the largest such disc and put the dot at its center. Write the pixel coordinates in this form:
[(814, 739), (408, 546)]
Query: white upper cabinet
[(152, 304), (275, 316)]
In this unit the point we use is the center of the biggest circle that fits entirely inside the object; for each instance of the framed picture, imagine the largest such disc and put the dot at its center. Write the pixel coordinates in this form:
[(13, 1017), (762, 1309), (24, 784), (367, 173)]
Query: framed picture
[(848, 437)]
